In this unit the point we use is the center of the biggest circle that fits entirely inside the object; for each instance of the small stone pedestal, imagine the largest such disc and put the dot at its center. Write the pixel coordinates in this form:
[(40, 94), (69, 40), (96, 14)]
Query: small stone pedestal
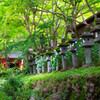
[(63, 48), (32, 66), (43, 66), (96, 30), (73, 51), (43, 69), (58, 67), (48, 54), (87, 36), (38, 69), (31, 60)]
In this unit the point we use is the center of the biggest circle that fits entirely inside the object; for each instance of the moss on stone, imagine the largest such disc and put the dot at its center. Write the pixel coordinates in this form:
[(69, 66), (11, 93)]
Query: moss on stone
[(49, 53), (63, 44)]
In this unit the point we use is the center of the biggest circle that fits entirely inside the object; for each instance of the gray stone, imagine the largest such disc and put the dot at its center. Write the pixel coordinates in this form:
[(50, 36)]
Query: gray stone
[(97, 30), (57, 67), (74, 54), (48, 63), (43, 69), (88, 55), (88, 37), (74, 59), (64, 62), (63, 50)]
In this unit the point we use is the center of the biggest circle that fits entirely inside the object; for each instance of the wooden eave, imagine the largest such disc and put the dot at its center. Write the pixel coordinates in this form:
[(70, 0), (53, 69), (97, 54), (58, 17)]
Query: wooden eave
[(80, 27)]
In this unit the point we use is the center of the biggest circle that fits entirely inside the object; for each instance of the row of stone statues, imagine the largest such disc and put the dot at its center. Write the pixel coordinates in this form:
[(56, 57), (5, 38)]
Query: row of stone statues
[(88, 37)]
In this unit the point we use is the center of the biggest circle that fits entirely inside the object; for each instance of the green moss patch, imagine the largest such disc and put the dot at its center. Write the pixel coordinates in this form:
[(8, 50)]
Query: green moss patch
[(62, 75), (77, 84)]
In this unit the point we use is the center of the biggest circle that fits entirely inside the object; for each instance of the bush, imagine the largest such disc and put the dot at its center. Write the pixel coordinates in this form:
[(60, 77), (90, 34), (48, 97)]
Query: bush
[(6, 73), (26, 69), (15, 88), (23, 94), (12, 85), (3, 96)]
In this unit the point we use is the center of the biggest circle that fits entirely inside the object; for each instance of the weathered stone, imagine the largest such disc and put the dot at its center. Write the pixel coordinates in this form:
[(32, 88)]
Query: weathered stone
[(87, 36), (74, 57), (48, 64), (34, 69), (31, 60), (43, 66), (64, 62), (63, 50), (32, 66), (38, 70), (48, 61), (43, 69), (96, 30), (57, 67), (73, 51)]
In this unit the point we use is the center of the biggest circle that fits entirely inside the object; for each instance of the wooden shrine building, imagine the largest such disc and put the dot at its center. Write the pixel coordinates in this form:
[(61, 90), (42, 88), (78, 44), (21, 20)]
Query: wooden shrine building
[(12, 60)]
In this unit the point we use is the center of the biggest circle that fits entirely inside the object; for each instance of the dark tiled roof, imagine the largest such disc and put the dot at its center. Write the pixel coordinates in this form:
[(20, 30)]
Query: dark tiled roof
[(80, 27)]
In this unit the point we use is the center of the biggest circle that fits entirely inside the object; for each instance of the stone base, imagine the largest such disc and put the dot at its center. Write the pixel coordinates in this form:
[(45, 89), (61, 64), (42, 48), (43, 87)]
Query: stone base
[(64, 70), (74, 68), (87, 65)]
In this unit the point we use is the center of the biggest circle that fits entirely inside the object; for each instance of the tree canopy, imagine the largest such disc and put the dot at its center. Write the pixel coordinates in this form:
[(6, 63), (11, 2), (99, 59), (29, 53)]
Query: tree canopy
[(40, 24)]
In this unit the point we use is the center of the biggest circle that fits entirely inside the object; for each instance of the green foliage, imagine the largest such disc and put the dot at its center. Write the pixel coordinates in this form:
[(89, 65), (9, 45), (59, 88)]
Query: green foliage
[(9, 72), (66, 84), (25, 69), (12, 85), (4, 96), (19, 18), (21, 26), (76, 84), (15, 89)]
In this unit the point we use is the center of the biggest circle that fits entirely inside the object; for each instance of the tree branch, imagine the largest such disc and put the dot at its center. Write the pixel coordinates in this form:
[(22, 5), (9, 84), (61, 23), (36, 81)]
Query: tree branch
[(59, 14), (90, 8)]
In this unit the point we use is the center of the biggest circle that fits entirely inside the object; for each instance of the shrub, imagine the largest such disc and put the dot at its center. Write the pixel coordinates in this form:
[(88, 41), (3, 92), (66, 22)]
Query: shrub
[(3, 96), (26, 69), (12, 85), (6, 73), (15, 88)]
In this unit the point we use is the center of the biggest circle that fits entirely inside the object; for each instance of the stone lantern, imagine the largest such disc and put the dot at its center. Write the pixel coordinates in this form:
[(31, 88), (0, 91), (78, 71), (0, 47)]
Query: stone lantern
[(63, 48), (73, 51), (58, 51), (38, 69), (43, 66), (48, 54), (96, 30), (31, 60), (88, 37)]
